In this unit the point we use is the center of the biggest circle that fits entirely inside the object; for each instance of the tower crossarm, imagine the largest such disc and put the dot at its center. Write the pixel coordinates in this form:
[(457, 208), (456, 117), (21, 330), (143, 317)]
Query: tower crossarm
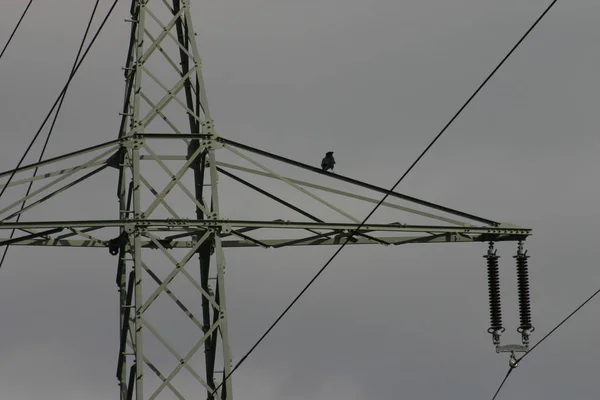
[(242, 233), (172, 225), (183, 196)]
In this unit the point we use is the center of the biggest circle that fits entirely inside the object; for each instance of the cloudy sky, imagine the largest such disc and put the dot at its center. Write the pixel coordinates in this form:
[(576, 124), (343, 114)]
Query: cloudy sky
[(375, 82)]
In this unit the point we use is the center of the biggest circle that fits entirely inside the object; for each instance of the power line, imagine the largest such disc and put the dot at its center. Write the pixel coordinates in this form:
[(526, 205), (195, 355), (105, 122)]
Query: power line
[(510, 370), (62, 98), (15, 30), (60, 95), (454, 117), (548, 335), (560, 324)]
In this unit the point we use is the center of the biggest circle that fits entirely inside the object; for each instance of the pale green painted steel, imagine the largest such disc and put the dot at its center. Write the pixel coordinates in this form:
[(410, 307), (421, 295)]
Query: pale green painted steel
[(224, 225), (147, 234)]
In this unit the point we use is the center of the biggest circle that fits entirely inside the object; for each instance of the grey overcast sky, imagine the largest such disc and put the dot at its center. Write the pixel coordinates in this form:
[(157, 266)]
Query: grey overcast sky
[(374, 81)]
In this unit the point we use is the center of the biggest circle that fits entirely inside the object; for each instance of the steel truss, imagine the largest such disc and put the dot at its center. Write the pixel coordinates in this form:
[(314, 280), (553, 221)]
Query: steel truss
[(155, 214)]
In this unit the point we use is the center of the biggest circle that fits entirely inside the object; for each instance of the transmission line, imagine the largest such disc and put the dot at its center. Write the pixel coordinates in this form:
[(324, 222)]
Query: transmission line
[(63, 91), (62, 98), (546, 337), (561, 323), (510, 370), (355, 231), (15, 29)]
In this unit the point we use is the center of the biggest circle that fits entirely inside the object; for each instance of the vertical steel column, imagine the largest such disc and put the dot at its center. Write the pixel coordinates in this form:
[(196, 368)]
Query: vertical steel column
[(137, 264), (131, 161), (122, 160), (137, 251)]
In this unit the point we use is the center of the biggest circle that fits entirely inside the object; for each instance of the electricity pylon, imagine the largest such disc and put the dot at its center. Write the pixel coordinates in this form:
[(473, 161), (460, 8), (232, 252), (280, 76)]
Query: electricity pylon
[(167, 131)]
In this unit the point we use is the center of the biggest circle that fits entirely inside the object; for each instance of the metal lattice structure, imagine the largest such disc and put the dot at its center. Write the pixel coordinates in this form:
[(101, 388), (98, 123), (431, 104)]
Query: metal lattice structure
[(169, 161)]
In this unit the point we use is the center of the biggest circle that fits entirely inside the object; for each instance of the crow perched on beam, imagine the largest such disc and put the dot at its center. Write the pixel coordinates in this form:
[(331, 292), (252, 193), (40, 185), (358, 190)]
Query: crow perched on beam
[(328, 162)]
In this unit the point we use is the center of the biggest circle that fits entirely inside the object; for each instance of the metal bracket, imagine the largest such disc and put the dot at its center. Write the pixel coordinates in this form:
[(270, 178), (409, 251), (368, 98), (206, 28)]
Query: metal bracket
[(208, 127), (508, 225), (114, 161), (513, 362), (211, 216), (135, 141), (212, 144), (512, 348)]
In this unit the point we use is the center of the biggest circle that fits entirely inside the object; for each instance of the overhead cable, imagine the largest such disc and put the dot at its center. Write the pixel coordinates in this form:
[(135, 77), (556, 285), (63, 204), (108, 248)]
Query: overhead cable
[(60, 95), (547, 336), (62, 98), (353, 233), (15, 29)]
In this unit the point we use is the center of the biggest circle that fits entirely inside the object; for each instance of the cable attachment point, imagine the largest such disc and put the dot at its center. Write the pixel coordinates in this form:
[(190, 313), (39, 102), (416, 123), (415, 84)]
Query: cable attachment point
[(496, 327), (513, 362), (526, 328), (117, 245)]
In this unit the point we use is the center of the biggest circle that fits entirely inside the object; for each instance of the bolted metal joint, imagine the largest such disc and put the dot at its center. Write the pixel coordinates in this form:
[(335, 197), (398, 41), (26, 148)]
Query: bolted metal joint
[(137, 142)]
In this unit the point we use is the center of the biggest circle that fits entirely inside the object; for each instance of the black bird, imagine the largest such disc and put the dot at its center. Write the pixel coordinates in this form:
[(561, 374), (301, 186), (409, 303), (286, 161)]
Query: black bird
[(328, 162)]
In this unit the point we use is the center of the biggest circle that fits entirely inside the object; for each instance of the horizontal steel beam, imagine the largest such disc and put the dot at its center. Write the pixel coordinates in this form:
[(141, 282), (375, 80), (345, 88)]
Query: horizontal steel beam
[(101, 146), (336, 191), (227, 224), (396, 240), (180, 136), (59, 158), (356, 182)]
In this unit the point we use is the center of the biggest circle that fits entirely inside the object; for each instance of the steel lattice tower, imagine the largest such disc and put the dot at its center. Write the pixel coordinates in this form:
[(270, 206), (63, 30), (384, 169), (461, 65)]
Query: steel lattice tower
[(167, 130)]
